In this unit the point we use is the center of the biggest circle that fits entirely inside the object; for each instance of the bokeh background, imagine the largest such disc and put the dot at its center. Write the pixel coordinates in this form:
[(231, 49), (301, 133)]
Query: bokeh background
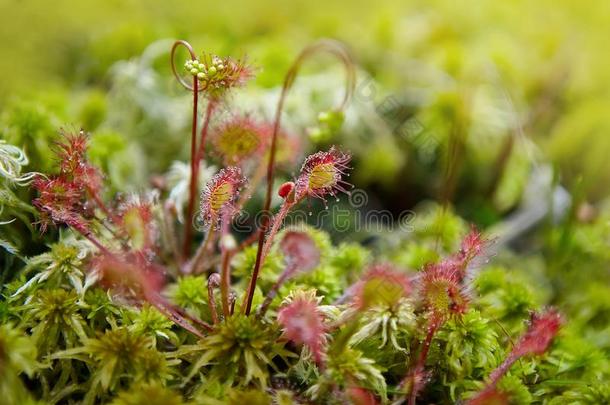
[(480, 104)]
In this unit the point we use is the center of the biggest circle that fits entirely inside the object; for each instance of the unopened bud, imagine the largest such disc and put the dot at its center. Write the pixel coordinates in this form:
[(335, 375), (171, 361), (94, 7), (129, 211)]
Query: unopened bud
[(285, 189)]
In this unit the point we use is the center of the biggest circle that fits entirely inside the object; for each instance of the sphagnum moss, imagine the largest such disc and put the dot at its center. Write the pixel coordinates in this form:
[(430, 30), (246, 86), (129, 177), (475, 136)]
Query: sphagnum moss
[(111, 315)]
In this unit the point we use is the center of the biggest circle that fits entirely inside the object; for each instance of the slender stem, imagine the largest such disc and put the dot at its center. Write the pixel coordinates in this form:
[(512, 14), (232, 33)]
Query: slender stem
[(273, 292), (338, 50), (435, 324), (232, 299), (188, 224), (171, 237), (458, 136), (213, 283), (499, 372), (201, 252), (100, 203), (265, 224), (500, 164), (278, 220), (225, 282), (204, 130)]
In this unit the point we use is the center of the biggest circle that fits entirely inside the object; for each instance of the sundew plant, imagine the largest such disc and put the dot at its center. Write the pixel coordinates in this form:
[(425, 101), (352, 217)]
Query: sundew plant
[(156, 297)]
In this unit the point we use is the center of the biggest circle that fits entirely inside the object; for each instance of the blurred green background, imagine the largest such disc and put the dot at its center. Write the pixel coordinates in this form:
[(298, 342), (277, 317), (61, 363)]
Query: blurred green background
[(473, 74)]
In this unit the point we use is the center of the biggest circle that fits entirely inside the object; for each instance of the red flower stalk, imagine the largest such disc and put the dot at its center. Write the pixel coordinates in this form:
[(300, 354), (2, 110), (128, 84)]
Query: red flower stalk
[(240, 139), (219, 196), (213, 76), (381, 285), (322, 174), (341, 53), (303, 323), (543, 328)]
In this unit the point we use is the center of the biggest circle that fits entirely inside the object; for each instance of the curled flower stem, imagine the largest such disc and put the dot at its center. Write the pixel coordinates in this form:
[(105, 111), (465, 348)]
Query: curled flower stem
[(188, 231), (188, 228), (337, 49)]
